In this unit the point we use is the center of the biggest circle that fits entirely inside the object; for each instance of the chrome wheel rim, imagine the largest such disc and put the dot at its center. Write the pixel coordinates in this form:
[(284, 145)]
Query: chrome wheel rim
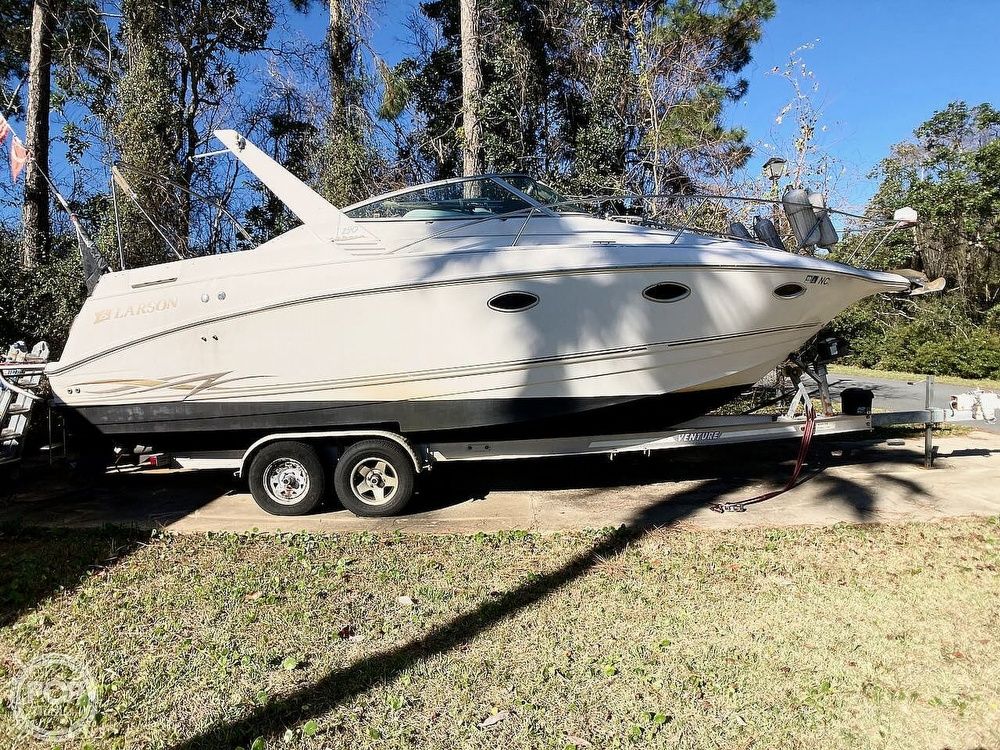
[(374, 481), (286, 481)]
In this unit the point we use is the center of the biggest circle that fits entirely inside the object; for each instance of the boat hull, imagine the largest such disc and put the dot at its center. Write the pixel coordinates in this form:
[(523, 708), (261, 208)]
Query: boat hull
[(223, 358)]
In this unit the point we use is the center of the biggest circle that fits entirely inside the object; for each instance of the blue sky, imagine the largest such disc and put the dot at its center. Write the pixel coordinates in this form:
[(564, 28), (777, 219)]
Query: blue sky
[(883, 67)]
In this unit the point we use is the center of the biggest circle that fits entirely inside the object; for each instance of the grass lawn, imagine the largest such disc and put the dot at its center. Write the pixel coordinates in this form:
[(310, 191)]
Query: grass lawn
[(989, 385), (844, 637)]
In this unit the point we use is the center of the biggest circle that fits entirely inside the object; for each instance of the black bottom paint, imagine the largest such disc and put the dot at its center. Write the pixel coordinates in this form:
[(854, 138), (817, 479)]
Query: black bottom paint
[(204, 425)]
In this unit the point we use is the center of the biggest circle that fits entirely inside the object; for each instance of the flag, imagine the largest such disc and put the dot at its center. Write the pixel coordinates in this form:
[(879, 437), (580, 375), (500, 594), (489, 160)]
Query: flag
[(4, 129), (18, 158)]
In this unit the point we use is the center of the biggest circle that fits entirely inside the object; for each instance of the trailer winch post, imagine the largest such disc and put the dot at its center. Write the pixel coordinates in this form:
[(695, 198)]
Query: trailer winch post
[(929, 426)]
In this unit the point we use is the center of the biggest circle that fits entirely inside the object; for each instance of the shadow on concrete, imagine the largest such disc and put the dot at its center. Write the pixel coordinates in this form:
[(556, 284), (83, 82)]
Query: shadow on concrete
[(159, 498), (56, 496), (750, 469), (981, 452), (450, 484), (859, 496)]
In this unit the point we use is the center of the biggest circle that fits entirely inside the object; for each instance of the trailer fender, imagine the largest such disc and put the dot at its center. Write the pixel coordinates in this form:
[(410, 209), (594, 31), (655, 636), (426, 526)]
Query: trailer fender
[(352, 436)]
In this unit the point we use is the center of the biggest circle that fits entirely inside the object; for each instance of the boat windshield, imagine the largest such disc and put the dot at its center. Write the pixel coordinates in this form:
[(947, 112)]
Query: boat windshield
[(462, 199), (480, 197)]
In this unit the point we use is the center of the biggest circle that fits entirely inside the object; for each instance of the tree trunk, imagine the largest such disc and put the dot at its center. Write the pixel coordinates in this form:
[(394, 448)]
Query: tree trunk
[(340, 53), (37, 230), (472, 84)]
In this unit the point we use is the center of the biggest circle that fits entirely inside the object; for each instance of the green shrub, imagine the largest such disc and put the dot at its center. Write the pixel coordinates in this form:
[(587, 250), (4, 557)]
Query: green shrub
[(991, 319), (39, 304), (937, 336), (979, 357)]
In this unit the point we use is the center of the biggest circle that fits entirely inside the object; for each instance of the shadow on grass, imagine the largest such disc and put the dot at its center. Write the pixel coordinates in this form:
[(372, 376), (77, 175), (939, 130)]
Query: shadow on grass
[(341, 685), (39, 563), (743, 466), (43, 550), (46, 562)]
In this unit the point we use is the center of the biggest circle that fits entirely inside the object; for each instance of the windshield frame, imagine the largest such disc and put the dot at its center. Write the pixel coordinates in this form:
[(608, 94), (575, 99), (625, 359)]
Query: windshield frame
[(550, 198)]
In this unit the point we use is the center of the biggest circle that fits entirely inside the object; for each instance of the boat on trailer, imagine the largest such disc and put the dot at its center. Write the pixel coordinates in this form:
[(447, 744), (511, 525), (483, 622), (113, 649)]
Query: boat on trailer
[(484, 307)]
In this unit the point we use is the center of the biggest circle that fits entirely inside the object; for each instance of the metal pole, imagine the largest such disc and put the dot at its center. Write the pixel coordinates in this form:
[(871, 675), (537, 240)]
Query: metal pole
[(929, 427), (118, 226), (775, 213)]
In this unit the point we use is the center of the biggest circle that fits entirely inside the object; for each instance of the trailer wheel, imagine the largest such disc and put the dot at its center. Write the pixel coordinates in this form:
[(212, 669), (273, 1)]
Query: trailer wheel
[(374, 478), (286, 478)]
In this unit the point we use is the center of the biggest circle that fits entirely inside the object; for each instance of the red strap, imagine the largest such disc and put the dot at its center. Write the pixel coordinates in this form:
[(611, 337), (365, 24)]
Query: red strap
[(807, 435)]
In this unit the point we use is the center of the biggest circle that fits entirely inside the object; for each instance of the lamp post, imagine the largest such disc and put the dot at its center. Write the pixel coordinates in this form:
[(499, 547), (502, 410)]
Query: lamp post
[(774, 169)]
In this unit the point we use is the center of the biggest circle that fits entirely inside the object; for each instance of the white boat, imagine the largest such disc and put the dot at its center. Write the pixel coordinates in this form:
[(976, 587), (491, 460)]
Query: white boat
[(463, 306)]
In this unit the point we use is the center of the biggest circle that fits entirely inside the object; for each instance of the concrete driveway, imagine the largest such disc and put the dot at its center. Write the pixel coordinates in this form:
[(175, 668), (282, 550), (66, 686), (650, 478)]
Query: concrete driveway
[(845, 481)]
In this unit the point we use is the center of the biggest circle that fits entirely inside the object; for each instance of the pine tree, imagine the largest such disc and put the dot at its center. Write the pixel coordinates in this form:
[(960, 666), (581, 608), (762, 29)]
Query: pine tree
[(37, 236)]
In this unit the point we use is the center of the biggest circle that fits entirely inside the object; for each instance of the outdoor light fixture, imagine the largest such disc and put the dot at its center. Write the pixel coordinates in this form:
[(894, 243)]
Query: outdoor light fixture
[(775, 168)]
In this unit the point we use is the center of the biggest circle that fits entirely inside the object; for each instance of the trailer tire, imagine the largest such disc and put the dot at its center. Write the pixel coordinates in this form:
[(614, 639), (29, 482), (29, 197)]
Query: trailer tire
[(374, 478), (287, 478)]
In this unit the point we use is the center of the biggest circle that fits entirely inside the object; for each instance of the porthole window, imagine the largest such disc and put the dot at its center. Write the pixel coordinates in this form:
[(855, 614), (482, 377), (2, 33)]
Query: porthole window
[(790, 291), (666, 291), (513, 301)]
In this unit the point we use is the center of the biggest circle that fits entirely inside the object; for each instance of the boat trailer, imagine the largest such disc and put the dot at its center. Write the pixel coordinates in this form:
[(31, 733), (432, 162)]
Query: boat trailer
[(283, 468), (798, 422)]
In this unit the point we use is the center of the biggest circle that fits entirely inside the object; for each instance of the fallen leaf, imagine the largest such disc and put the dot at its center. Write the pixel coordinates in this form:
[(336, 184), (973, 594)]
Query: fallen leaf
[(578, 741), (494, 719)]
